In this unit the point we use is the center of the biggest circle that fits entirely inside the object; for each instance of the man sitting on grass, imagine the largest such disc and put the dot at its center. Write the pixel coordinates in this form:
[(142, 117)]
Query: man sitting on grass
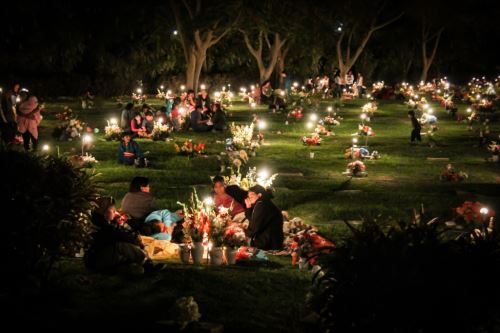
[(128, 150)]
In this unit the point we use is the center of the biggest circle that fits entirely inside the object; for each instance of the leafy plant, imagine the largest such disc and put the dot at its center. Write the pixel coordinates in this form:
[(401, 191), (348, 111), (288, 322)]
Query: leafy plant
[(50, 200), (409, 277)]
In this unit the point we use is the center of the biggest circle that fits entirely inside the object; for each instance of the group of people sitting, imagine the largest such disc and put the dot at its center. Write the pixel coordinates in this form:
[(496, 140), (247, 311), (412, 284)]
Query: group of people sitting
[(181, 113), (117, 245)]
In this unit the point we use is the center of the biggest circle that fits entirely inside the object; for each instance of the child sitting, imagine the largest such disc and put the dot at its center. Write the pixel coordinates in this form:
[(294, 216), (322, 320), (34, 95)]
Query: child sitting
[(128, 150)]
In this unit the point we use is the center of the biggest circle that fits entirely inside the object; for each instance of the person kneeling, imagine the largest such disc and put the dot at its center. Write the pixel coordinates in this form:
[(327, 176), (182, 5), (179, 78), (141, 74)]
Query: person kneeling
[(266, 220)]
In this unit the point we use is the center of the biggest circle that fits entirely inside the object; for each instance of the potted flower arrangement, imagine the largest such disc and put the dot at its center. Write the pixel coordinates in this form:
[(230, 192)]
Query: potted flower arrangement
[(112, 132), (242, 135), (370, 108), (188, 148), (217, 231), (160, 131), (85, 161), (356, 169), (196, 225), (450, 175), (296, 113), (234, 238), (70, 128)]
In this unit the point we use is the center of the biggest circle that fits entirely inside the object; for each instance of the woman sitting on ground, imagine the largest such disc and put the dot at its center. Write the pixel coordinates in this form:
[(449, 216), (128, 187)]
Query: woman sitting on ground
[(114, 248), (138, 202), (136, 126), (233, 200), (197, 122), (128, 150), (219, 117), (266, 220), (162, 223)]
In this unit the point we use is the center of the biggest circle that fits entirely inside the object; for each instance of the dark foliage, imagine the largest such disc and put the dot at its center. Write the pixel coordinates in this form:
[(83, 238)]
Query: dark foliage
[(410, 278), (46, 204)]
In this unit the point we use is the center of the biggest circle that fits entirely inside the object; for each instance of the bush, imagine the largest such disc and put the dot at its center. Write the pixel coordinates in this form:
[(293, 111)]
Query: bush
[(46, 211), (410, 278)]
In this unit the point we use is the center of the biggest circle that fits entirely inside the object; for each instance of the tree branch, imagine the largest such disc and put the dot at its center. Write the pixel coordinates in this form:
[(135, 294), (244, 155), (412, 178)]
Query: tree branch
[(386, 23), (188, 8)]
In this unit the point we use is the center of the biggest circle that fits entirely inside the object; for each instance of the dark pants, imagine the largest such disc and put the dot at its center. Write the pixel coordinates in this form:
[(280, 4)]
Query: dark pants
[(9, 131), (27, 137), (415, 134)]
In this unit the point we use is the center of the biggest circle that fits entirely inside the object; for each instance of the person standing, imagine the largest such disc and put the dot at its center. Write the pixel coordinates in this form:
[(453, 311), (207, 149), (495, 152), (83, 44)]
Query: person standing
[(28, 119), (415, 133), (8, 126), (360, 84)]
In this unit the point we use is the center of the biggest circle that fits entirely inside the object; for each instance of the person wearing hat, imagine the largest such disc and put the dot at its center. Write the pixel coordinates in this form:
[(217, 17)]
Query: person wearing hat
[(128, 150), (266, 220), (114, 248)]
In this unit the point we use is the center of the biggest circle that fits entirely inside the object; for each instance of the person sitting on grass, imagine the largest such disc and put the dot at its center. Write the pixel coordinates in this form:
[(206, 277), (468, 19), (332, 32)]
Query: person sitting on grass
[(127, 116), (266, 220), (148, 123), (137, 126), (232, 200), (114, 249), (176, 116), (128, 150), (219, 117), (162, 223), (138, 202), (197, 123)]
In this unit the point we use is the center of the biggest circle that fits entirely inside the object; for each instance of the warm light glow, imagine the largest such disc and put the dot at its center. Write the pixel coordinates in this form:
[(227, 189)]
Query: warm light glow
[(160, 120), (183, 87), (253, 104), (469, 110), (252, 87), (113, 121), (208, 201), (45, 148), (309, 125), (182, 111), (354, 140), (313, 117), (217, 94), (175, 32), (430, 111), (263, 174), (368, 96), (295, 84), (203, 87), (18, 99), (87, 138), (484, 211), (282, 93), (329, 109), (161, 87), (169, 92), (139, 90), (262, 125), (426, 106), (363, 116)]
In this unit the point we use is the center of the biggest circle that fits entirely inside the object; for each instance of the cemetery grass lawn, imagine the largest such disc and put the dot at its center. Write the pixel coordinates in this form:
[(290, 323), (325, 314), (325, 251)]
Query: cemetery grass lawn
[(313, 189)]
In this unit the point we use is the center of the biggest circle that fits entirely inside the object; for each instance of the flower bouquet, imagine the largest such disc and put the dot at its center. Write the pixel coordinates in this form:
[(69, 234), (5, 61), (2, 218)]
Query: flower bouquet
[(197, 219), (314, 140), (71, 127), (296, 113), (330, 120), (234, 236), (361, 152), (188, 148), (160, 131), (322, 130), (242, 135), (356, 169), (370, 108), (365, 130), (471, 212), (112, 132), (86, 161), (450, 175), (252, 178)]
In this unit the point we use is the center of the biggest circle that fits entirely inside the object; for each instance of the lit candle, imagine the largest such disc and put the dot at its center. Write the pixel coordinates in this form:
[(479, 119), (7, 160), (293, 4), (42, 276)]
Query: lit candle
[(113, 121), (45, 148), (183, 87), (313, 117), (262, 125), (203, 87)]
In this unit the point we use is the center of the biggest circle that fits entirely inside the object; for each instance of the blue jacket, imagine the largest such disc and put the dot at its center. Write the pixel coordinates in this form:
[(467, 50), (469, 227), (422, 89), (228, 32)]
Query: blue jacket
[(167, 217), (132, 147)]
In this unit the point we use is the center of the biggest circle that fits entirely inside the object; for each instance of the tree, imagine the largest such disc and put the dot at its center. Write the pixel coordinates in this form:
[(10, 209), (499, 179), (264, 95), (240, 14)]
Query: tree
[(346, 58), (428, 37), (200, 26)]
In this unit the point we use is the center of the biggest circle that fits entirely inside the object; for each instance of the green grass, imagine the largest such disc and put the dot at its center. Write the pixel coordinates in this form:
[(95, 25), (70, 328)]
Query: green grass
[(400, 181)]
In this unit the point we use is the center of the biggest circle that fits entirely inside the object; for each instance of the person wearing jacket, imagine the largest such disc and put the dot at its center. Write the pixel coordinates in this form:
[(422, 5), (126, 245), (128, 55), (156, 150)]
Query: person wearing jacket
[(128, 150), (266, 220)]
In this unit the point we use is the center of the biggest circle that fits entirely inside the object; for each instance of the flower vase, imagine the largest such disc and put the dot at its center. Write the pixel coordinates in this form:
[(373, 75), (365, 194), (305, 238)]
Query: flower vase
[(294, 258), (184, 253), (311, 154), (252, 153), (197, 252), (216, 256), (494, 158), (231, 255)]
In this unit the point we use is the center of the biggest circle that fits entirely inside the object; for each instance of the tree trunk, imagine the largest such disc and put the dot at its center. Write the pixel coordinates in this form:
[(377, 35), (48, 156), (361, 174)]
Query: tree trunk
[(281, 65), (427, 61)]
